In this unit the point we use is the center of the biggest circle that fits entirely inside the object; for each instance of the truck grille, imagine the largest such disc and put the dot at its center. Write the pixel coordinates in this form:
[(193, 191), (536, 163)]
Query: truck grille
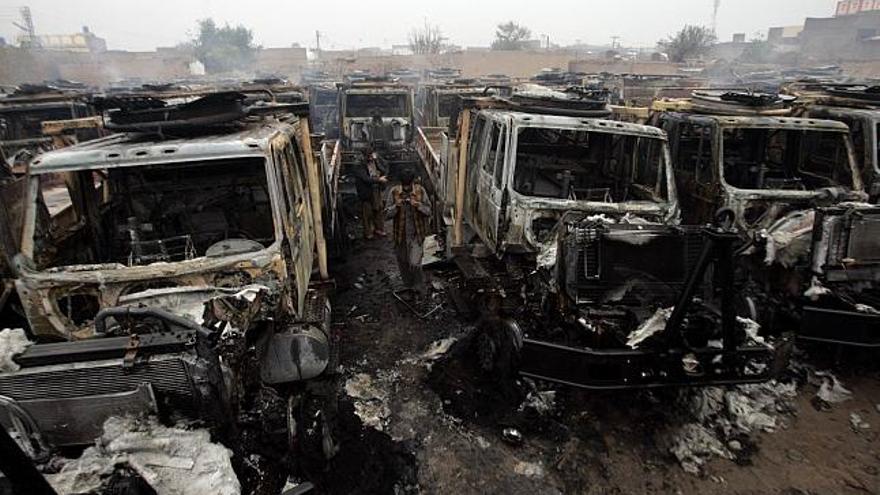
[(864, 239), (597, 260), (169, 376)]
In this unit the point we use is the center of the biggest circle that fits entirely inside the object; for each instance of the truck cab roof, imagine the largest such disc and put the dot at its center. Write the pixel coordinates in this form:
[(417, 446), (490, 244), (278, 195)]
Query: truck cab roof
[(522, 119), (133, 149)]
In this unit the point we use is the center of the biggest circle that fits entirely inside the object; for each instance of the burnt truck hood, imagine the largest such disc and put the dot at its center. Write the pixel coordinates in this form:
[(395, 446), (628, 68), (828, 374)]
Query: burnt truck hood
[(756, 210), (62, 302), (528, 215)]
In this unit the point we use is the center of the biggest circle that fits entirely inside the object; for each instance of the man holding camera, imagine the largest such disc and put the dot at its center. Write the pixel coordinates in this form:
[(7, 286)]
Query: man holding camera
[(411, 209)]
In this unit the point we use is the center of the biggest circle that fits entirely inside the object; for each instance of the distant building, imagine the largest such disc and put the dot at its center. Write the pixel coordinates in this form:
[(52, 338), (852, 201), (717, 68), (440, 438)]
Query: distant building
[(401, 50), (785, 35), (730, 50), (853, 7), (849, 36), (84, 42)]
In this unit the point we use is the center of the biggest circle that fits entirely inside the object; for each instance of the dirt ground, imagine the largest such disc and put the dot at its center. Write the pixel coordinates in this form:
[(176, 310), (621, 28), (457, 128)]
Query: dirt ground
[(442, 424)]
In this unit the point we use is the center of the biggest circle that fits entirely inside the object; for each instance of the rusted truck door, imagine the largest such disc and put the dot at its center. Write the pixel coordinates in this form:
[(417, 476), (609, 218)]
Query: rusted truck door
[(491, 195), (297, 221), (474, 160)]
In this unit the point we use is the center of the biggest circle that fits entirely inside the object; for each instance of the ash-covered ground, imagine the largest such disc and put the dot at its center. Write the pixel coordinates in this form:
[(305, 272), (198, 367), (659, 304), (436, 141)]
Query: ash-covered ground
[(416, 415)]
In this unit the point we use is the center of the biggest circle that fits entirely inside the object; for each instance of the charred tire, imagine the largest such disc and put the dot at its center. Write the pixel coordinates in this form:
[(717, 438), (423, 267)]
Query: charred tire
[(498, 346)]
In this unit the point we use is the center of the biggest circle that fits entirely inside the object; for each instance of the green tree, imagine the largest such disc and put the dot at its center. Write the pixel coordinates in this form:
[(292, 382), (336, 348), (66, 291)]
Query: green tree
[(224, 49), (510, 36), (690, 42)]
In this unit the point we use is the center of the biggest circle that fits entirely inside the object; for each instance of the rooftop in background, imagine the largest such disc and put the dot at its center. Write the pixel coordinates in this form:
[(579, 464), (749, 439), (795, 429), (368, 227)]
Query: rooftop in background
[(853, 7)]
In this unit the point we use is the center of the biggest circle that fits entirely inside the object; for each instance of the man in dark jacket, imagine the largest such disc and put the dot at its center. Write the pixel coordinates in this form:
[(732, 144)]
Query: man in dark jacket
[(370, 179)]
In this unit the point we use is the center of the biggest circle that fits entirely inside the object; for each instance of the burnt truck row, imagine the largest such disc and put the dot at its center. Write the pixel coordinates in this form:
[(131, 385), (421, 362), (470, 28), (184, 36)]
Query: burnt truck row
[(606, 254), (179, 267)]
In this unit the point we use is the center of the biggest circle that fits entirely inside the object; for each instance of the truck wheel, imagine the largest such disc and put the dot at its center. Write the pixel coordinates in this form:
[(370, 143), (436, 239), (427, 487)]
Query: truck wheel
[(498, 345)]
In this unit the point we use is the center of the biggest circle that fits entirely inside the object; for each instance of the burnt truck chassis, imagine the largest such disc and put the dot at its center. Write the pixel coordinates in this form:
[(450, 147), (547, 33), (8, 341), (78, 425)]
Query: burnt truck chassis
[(846, 261), (540, 334), (155, 362)]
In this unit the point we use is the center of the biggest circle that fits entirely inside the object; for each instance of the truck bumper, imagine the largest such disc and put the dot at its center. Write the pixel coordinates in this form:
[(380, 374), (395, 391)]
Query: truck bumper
[(837, 326), (629, 369)]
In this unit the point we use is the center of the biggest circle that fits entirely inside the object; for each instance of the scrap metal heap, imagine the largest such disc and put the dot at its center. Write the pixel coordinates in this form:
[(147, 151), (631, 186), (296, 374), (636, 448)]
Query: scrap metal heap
[(177, 280), (566, 229)]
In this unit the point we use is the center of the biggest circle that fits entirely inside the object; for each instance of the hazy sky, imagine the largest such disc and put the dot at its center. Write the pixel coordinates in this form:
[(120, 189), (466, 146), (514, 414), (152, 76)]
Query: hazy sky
[(143, 25)]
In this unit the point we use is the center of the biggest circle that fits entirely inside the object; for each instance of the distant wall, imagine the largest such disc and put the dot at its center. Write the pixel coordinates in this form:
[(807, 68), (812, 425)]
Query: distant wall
[(475, 63), (288, 62), (841, 38), (20, 66)]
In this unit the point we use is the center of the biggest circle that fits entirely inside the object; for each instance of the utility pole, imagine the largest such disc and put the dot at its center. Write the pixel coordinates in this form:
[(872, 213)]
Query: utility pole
[(716, 6), (614, 42), (29, 38), (317, 44)]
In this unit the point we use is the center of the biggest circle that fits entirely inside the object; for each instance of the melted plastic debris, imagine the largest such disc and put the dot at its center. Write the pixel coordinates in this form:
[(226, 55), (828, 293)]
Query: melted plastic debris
[(438, 349), (751, 328), (788, 240), (542, 402), (371, 398), (548, 255), (864, 308), (176, 460), (858, 424), (12, 343), (694, 445), (653, 325), (816, 290), (189, 302), (433, 251), (529, 469), (832, 390), (721, 416)]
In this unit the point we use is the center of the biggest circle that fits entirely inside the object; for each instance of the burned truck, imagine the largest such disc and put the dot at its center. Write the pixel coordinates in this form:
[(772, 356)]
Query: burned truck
[(809, 258), (437, 105), (181, 280), (324, 109), (566, 229), (377, 115), (22, 114), (858, 107)]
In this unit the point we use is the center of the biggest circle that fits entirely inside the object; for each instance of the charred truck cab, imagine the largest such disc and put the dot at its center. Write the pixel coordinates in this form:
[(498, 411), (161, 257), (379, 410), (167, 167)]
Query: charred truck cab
[(438, 104), (857, 106), (324, 109), (798, 202), (377, 115), (181, 279), (22, 115), (566, 228)]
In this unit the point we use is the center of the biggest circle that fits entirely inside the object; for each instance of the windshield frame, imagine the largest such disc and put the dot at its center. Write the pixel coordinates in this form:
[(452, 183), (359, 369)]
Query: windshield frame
[(32, 207), (666, 157), (407, 103), (718, 142)]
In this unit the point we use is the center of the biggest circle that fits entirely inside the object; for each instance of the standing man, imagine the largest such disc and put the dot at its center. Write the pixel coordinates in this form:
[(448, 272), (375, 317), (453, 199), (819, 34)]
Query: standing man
[(369, 181), (411, 210)]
